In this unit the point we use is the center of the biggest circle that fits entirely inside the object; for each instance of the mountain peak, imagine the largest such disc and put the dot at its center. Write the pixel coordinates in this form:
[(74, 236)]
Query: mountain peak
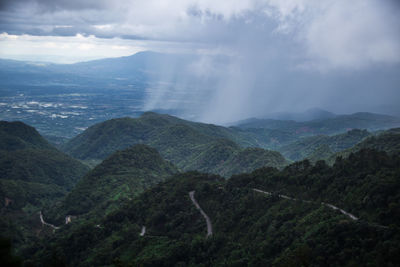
[(137, 156), (17, 135)]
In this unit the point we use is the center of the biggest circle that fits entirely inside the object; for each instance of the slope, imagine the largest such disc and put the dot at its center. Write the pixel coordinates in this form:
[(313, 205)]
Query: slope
[(27, 156), (249, 228), (32, 174), (306, 146), (388, 141), (118, 178), (184, 143)]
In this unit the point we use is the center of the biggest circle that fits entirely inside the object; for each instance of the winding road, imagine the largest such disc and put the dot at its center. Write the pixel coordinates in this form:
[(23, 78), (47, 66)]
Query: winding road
[(68, 219), (143, 232), (351, 216), (208, 221), (45, 223)]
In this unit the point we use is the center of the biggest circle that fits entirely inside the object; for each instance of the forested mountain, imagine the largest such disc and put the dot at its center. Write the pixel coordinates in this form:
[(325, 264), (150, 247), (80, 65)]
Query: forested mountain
[(182, 142), (306, 146), (343, 215), (17, 135), (337, 124), (388, 141), (135, 208), (27, 156), (32, 173), (122, 176)]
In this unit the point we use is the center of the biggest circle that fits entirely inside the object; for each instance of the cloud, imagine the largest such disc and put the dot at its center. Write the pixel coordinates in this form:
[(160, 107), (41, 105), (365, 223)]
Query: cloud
[(332, 33), (336, 33), (283, 54), (61, 49)]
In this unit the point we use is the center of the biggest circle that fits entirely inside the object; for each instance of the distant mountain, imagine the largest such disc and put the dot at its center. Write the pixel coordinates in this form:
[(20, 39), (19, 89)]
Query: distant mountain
[(337, 124), (139, 65), (120, 177), (189, 145), (387, 141), (138, 68), (306, 146), (308, 115), (309, 215)]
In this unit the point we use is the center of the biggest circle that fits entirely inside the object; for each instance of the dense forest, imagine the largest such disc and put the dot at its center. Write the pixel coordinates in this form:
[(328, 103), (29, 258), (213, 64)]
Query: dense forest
[(167, 192), (290, 224), (188, 145), (33, 174)]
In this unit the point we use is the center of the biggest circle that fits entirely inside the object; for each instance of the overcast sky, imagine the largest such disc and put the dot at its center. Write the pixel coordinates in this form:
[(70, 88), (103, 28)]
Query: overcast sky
[(267, 37)]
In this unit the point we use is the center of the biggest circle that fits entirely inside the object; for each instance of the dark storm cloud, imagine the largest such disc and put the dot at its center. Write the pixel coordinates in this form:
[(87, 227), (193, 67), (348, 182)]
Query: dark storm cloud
[(284, 55)]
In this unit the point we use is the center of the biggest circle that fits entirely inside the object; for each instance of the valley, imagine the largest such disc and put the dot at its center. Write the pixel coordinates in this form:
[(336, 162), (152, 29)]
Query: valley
[(199, 133)]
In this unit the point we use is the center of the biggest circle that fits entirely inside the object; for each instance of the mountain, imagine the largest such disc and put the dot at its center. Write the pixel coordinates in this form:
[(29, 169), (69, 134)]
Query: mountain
[(249, 159), (17, 135), (27, 156), (141, 65), (337, 124), (388, 141), (120, 177), (32, 174), (224, 157), (322, 152), (302, 215), (308, 115), (306, 146), (184, 143)]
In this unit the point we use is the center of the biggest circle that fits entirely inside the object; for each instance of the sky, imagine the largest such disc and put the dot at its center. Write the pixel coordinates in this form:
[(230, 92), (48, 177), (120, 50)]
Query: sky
[(286, 54)]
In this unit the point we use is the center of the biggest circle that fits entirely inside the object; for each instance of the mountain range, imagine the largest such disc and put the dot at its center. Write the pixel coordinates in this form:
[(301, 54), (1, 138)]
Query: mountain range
[(266, 218), (154, 196), (184, 143)]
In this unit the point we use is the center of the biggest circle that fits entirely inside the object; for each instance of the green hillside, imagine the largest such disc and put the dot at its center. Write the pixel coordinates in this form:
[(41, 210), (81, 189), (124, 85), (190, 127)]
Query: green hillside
[(41, 166), (17, 135), (100, 140), (249, 159), (33, 174), (322, 152), (249, 228), (388, 141), (27, 156), (304, 147), (118, 178), (188, 145)]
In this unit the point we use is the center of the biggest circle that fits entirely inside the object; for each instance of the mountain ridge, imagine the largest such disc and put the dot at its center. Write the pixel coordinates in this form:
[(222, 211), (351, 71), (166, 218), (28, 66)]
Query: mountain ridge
[(177, 140)]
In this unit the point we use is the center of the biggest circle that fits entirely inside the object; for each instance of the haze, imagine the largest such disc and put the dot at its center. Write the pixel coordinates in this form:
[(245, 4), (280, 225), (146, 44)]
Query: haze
[(254, 56)]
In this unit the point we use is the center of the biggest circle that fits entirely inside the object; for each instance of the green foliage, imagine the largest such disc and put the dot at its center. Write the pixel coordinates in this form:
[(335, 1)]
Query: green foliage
[(20, 193), (33, 174), (117, 179), (6, 255), (250, 228), (311, 146), (189, 145), (388, 141), (17, 135), (249, 159), (47, 166)]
